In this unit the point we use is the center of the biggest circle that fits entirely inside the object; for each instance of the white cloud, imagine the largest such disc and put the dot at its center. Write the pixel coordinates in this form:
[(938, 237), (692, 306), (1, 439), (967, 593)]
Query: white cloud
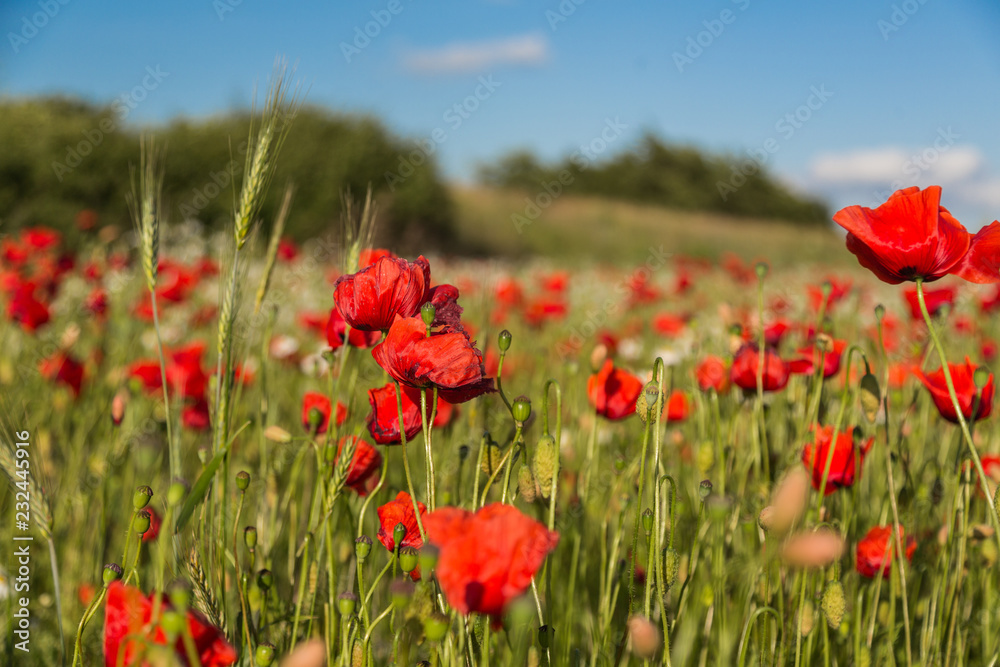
[(888, 164), (528, 50)]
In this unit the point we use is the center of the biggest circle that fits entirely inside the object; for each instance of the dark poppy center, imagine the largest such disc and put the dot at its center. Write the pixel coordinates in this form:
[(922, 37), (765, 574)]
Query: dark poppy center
[(908, 272)]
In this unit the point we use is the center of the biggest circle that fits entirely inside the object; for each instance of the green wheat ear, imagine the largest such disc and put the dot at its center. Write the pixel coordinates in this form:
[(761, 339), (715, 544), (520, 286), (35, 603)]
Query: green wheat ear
[(358, 229), (265, 143), (144, 205)]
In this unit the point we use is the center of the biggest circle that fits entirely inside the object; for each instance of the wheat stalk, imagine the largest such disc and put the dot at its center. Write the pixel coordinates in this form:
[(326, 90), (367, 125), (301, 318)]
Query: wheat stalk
[(38, 501), (144, 204), (272, 248)]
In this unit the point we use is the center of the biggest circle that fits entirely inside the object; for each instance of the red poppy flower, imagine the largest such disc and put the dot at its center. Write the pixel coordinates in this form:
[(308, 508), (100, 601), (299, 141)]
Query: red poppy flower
[(383, 420), (542, 310), (613, 392), (668, 324), (287, 249), (128, 619), (155, 522), (508, 292), (371, 299), (935, 300), (97, 302), (62, 367), (965, 390), (195, 415), (488, 558), (25, 309), (839, 289), (397, 511), (746, 363), (556, 281), (843, 470), (312, 399), (912, 236), (184, 372), (806, 364), (369, 256), (335, 328), (314, 321), (448, 361), (712, 373), (40, 238), (875, 548), (677, 407), (363, 475)]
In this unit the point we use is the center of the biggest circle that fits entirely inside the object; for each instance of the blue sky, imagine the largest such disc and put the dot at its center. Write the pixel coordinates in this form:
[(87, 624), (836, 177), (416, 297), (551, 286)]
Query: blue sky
[(844, 98)]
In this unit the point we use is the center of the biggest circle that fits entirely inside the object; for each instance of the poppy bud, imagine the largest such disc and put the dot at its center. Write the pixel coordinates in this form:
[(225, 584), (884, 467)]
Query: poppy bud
[(265, 655), (671, 566), (180, 594), (761, 269), (204, 454), (871, 397), (981, 376), (647, 520), (141, 497), (118, 404), (142, 521), (427, 312), (173, 623), (275, 433), (401, 591), (250, 537), (879, 312), (407, 559), (463, 453), (398, 534), (242, 480), (937, 491), (706, 457), (521, 409), (704, 489), (545, 462), (363, 547), (315, 419), (346, 603), (833, 604), (503, 340), (112, 572), (436, 626), (526, 483), (645, 404), (808, 617), (265, 580), (428, 557), (176, 493), (491, 457)]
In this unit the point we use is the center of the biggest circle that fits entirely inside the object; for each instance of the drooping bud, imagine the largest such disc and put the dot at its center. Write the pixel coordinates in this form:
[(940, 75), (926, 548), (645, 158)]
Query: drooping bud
[(112, 572), (526, 483), (544, 636), (346, 603), (250, 537), (265, 655), (242, 480), (141, 497), (265, 579), (363, 547), (407, 559), (427, 313), (645, 404), (275, 433), (879, 312), (833, 604), (671, 567), (491, 457), (545, 461), (463, 453), (142, 521), (871, 397), (503, 340), (521, 409)]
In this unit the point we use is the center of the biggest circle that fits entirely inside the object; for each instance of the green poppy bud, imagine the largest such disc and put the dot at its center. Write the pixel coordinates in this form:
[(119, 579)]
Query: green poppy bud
[(704, 489), (141, 497), (265, 655), (436, 626), (761, 269), (362, 547), (180, 594), (407, 559), (503, 340), (346, 602), (521, 409), (242, 480), (398, 534), (112, 572), (250, 537), (176, 493), (981, 377), (401, 591), (265, 579), (428, 557), (545, 636), (871, 397), (141, 522), (647, 520), (427, 313), (172, 622)]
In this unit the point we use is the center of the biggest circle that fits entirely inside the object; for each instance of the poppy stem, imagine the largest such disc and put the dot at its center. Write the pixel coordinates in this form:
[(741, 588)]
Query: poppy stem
[(406, 460), (429, 464), (973, 452)]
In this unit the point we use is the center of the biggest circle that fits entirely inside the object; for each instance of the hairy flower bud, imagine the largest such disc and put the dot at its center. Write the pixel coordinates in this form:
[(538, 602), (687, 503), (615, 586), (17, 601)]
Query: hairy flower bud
[(545, 461), (526, 483), (833, 603), (671, 566)]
